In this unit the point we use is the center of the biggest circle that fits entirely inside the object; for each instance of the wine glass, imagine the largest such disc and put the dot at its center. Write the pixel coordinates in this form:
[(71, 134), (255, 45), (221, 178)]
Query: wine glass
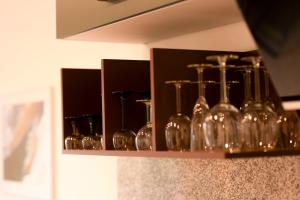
[(124, 138), (88, 141), (267, 100), (200, 108), (259, 127), (228, 87), (177, 130), (93, 140), (288, 122), (222, 122), (248, 100), (74, 141), (143, 140)]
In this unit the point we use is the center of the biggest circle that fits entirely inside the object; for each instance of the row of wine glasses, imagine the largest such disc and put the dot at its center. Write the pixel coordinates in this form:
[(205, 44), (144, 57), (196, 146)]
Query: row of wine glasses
[(258, 125), (255, 126), (127, 139), (89, 141)]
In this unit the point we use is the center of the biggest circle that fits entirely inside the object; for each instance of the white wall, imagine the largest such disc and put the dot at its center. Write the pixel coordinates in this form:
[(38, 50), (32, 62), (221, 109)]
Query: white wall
[(31, 58)]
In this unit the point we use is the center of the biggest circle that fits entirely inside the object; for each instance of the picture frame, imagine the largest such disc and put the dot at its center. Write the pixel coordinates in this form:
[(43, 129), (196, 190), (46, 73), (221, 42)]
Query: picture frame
[(26, 144)]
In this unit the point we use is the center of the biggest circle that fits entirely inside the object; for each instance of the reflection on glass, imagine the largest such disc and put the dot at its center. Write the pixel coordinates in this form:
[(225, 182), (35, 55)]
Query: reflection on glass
[(143, 140), (177, 130), (124, 138), (222, 122)]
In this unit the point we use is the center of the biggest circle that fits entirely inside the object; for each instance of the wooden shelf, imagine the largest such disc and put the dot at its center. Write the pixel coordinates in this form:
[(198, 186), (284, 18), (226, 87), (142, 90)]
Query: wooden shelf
[(194, 155)]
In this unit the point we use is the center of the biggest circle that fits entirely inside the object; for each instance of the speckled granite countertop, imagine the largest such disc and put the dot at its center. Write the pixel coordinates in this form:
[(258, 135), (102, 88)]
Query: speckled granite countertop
[(189, 179)]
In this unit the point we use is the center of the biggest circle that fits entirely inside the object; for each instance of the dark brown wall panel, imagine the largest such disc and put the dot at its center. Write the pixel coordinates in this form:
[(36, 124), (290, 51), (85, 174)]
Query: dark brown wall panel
[(123, 75), (81, 94)]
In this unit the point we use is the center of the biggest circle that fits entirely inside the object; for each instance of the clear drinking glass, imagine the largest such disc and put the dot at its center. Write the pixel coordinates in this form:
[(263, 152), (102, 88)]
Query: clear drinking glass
[(222, 122), (124, 138), (74, 141), (143, 140), (177, 130), (259, 127), (200, 109)]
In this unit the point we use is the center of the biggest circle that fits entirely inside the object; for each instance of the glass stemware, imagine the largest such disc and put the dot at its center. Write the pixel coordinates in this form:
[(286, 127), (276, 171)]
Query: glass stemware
[(88, 141), (143, 140), (288, 122), (222, 122), (259, 127), (74, 141), (267, 100), (124, 138), (248, 100), (93, 141), (177, 130), (200, 109)]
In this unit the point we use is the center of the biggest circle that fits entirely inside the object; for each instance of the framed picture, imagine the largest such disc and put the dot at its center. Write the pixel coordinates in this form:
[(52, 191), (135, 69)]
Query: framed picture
[(26, 144)]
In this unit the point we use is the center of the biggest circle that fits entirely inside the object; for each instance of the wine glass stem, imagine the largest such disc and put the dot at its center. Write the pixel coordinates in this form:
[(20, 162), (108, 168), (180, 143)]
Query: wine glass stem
[(73, 124), (200, 84), (223, 90), (257, 84), (228, 90), (148, 113), (178, 98), (267, 86), (91, 126), (247, 84), (124, 112)]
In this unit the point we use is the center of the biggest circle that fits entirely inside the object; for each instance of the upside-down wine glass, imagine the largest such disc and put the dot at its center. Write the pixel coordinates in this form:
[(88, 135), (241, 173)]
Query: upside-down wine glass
[(222, 122), (259, 127), (248, 100), (124, 138), (288, 122), (177, 130), (143, 139), (268, 100), (88, 141), (228, 87), (200, 109), (93, 140), (73, 142)]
